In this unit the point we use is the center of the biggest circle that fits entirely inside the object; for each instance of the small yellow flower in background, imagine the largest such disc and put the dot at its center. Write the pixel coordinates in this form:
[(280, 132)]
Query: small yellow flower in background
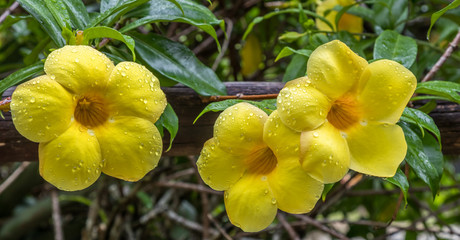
[(346, 111), (347, 22), (255, 160), (90, 116)]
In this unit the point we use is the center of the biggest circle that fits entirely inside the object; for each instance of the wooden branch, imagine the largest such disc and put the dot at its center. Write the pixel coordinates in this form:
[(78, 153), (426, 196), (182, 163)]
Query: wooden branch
[(191, 137)]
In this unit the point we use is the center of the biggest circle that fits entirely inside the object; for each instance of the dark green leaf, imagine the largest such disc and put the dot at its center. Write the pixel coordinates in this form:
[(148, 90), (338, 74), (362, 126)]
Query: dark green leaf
[(444, 89), (41, 13), (433, 150), (20, 76), (33, 56), (400, 180), (166, 11), (115, 11), (169, 121), (106, 32), (296, 68), (428, 107), (287, 51), (10, 20), (422, 120), (267, 106), (78, 14), (439, 13), (419, 160), (59, 11), (391, 45), (172, 61), (326, 189), (390, 15)]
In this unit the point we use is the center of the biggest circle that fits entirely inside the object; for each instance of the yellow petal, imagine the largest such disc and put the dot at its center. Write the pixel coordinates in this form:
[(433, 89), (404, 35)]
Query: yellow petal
[(250, 204), (251, 56), (239, 129), (347, 22), (135, 91), (283, 141), (324, 154), (334, 68), (72, 161), (376, 149), (79, 69), (294, 190), (217, 168), (302, 107), (41, 109), (321, 10), (350, 23), (130, 147), (385, 88)]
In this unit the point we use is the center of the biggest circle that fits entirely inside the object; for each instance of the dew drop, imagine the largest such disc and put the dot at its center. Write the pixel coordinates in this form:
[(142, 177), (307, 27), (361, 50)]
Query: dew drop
[(315, 134), (273, 201), (32, 100)]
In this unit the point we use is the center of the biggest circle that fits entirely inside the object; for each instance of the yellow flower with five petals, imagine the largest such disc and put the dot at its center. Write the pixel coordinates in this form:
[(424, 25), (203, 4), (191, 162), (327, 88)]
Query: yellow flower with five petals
[(346, 111), (347, 22), (255, 160), (90, 116)]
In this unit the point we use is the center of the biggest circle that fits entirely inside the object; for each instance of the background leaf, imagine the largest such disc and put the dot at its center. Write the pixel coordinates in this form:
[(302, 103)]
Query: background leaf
[(400, 180), (440, 89), (172, 61), (21, 76), (78, 14), (115, 11), (422, 120), (170, 121), (106, 32), (391, 45), (296, 68), (439, 13)]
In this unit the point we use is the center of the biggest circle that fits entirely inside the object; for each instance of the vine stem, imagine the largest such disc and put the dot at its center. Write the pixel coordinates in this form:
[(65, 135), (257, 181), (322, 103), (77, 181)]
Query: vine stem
[(239, 96), (443, 58), (8, 11)]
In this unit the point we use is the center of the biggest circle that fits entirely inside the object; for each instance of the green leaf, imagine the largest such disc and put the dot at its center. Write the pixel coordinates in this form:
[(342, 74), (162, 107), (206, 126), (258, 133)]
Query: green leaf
[(419, 160), (291, 36), (78, 14), (433, 150), (390, 14), (288, 51), (33, 56), (43, 15), (59, 11), (21, 76), (391, 45), (106, 32), (267, 106), (326, 189), (172, 61), (115, 11), (170, 121), (296, 68), (439, 13), (177, 5), (10, 20), (400, 180), (444, 89), (422, 120), (193, 13)]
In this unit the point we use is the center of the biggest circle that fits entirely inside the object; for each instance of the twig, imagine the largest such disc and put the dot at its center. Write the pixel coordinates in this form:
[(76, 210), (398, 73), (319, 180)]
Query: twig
[(160, 207), (204, 201), (57, 219), (320, 226), (188, 186), (225, 45), (8, 11), (288, 227), (13, 176), (443, 58), (239, 96), (219, 228), (187, 223)]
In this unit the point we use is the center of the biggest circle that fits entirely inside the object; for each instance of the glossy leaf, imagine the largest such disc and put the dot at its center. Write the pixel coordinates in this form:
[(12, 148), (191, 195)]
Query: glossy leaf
[(170, 121), (172, 61), (400, 180), (391, 45), (21, 75), (288, 51), (441, 12), (106, 32), (296, 68), (78, 14), (390, 15), (421, 119), (59, 11), (115, 11), (443, 89), (166, 11), (267, 106), (46, 19)]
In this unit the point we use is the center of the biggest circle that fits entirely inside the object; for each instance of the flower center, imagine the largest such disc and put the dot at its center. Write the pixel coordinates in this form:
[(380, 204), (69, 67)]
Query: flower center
[(261, 161), (344, 113), (91, 111)]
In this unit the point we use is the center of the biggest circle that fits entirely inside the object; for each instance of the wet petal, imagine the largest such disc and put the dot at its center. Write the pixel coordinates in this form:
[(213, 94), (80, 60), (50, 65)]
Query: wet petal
[(324, 154), (294, 190), (348, 22), (250, 204), (385, 89), (79, 69), (41, 109), (334, 68), (72, 161), (376, 149), (135, 91), (218, 168), (239, 129), (283, 141), (302, 107), (130, 147)]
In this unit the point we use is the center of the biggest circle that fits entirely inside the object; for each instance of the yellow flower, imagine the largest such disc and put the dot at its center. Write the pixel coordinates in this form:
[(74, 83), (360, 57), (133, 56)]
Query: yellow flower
[(346, 110), (347, 22), (255, 160), (90, 116)]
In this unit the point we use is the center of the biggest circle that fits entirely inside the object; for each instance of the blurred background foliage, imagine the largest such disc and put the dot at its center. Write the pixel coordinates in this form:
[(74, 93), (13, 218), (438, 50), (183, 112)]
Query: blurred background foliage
[(201, 44)]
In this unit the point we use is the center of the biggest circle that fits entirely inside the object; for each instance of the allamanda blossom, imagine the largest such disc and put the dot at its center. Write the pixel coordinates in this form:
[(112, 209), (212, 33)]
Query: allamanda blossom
[(255, 160), (347, 22), (346, 111), (90, 116)]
